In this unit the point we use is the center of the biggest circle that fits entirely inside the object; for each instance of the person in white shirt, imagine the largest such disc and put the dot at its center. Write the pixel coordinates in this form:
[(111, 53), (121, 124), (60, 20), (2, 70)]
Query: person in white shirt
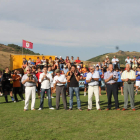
[(93, 87), (128, 77), (29, 61), (134, 62), (115, 62), (44, 62), (128, 60), (59, 82), (29, 81), (45, 79)]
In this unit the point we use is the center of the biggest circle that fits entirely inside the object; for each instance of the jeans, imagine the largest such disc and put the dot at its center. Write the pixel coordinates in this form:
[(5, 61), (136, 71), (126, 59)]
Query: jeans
[(60, 65), (116, 65), (42, 97), (71, 92)]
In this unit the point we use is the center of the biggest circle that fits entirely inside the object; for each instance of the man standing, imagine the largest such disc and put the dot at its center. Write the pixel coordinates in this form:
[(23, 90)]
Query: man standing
[(74, 78), (93, 87), (115, 62), (29, 81), (45, 79), (128, 77), (111, 78), (59, 82), (6, 85), (128, 60)]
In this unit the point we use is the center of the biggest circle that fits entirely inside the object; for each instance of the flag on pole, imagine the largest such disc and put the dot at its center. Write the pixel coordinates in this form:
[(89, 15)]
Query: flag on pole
[(27, 44)]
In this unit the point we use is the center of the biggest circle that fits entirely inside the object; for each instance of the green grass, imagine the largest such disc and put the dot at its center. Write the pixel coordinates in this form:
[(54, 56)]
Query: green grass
[(69, 125)]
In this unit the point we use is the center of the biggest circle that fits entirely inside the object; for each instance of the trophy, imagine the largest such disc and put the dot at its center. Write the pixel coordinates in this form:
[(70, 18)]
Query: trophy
[(30, 76)]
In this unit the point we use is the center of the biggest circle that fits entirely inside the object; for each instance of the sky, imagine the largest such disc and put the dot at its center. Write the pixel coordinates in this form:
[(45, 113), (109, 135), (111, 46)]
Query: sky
[(84, 28)]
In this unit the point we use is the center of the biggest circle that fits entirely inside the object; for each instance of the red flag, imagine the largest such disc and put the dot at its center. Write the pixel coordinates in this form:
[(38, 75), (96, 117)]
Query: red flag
[(27, 44)]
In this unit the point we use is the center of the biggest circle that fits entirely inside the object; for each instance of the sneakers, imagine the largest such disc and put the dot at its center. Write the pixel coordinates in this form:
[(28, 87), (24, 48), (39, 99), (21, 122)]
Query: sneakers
[(33, 109), (52, 97), (51, 108), (40, 109), (47, 97), (14, 101), (84, 94)]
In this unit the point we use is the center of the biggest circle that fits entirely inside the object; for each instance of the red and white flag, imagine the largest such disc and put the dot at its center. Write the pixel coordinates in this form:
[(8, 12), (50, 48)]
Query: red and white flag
[(27, 44)]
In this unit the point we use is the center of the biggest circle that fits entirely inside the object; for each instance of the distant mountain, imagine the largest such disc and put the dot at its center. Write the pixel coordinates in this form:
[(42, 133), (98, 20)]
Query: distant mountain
[(121, 55), (15, 49)]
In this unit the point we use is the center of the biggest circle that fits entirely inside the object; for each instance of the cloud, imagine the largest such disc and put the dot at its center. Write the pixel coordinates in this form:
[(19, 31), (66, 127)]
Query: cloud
[(74, 23)]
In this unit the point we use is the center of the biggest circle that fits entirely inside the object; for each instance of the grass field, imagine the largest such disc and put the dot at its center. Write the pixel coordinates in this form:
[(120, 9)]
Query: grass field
[(69, 125)]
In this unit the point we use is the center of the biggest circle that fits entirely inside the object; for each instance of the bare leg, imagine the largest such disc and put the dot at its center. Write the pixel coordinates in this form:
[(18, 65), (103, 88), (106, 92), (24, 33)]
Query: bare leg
[(121, 90), (136, 90)]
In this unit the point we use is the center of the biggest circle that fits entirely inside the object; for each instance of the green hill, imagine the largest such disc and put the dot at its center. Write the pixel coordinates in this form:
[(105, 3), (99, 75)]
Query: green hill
[(121, 55), (12, 48)]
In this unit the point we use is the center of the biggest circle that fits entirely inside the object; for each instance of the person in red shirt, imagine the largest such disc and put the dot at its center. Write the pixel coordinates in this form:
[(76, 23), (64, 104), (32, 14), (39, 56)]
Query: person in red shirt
[(38, 61), (39, 84), (78, 61)]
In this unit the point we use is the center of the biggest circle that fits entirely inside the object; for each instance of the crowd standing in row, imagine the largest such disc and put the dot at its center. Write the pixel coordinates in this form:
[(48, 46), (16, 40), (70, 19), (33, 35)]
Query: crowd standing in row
[(62, 76)]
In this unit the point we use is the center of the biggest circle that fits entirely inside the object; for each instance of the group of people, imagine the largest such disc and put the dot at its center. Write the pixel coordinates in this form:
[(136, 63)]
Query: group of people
[(64, 76)]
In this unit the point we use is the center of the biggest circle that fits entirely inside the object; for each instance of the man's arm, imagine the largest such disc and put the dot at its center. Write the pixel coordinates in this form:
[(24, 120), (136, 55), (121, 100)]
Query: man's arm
[(77, 78)]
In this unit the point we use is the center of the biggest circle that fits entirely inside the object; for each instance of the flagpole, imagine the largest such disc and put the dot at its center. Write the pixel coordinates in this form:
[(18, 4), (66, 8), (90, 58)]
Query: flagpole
[(22, 49)]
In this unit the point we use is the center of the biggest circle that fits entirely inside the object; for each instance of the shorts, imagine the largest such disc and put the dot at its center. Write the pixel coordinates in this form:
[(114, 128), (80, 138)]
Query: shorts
[(120, 84), (99, 83), (52, 84), (39, 86), (137, 83), (85, 85)]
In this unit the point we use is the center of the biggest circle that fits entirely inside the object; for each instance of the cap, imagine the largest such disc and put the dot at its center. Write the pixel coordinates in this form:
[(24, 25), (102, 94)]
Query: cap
[(55, 56), (114, 56), (97, 65), (106, 56), (57, 71), (65, 66), (84, 65), (60, 57), (78, 67)]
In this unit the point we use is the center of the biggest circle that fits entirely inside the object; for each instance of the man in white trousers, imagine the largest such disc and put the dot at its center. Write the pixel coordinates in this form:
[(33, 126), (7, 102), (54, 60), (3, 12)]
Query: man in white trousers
[(29, 81), (93, 87)]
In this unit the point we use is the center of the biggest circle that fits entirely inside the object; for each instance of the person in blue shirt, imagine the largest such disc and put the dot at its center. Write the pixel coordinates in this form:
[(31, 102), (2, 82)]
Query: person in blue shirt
[(85, 84), (137, 79), (100, 73), (120, 82)]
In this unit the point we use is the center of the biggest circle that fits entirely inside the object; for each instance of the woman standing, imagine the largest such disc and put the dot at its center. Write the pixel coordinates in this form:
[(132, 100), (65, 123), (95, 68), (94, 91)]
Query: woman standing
[(59, 82), (67, 61)]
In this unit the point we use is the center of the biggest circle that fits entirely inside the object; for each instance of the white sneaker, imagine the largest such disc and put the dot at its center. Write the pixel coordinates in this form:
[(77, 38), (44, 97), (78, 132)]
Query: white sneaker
[(14, 101), (47, 97), (40, 109), (84, 94), (51, 108), (52, 97)]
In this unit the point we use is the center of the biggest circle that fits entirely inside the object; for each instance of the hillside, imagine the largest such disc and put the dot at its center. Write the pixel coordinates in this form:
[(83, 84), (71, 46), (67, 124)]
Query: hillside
[(15, 49), (5, 52), (121, 55)]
